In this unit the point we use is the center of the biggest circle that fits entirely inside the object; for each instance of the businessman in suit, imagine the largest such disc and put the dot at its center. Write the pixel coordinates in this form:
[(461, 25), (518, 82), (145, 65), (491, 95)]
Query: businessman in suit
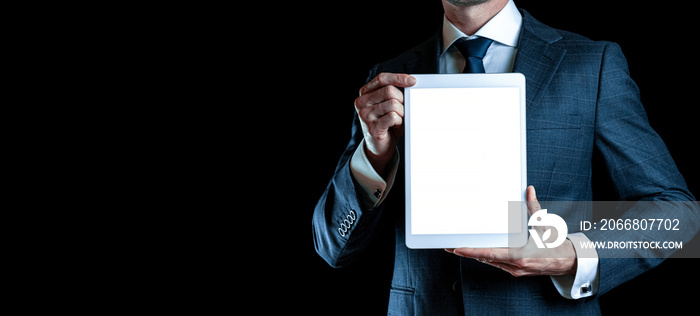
[(579, 98)]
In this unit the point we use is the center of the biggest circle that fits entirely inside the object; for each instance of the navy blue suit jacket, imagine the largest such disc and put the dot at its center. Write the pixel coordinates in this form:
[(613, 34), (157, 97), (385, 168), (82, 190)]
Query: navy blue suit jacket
[(579, 97)]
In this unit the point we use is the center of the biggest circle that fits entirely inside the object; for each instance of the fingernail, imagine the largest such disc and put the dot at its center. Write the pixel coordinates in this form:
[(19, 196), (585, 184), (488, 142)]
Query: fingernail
[(410, 80)]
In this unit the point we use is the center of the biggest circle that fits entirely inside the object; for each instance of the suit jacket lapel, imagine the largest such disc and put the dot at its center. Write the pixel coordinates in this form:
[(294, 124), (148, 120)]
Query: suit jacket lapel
[(536, 58), (423, 59)]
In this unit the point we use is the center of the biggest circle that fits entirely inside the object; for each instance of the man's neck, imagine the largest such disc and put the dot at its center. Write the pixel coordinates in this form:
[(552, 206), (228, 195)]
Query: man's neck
[(471, 18)]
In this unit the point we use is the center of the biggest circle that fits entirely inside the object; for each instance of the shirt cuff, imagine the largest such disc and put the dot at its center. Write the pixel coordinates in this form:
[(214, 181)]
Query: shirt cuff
[(585, 282), (374, 187)]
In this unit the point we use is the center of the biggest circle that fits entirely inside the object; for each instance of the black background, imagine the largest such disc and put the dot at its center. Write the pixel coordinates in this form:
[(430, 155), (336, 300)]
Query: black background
[(319, 54)]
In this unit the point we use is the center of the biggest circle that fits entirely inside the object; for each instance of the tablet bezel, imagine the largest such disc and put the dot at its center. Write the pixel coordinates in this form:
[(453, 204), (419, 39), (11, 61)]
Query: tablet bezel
[(494, 240)]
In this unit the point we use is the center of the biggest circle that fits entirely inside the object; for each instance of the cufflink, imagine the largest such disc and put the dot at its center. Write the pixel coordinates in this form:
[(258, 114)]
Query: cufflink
[(377, 193), (586, 288)]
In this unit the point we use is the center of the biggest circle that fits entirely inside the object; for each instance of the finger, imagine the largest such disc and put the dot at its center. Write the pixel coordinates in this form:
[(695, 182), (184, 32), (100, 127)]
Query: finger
[(365, 103), (383, 94), (531, 197), (495, 257), (385, 78), (514, 270), (531, 194), (390, 119), (487, 254), (386, 107)]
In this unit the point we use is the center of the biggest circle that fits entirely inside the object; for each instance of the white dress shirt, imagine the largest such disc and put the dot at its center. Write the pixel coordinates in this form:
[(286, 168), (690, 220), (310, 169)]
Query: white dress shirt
[(504, 29)]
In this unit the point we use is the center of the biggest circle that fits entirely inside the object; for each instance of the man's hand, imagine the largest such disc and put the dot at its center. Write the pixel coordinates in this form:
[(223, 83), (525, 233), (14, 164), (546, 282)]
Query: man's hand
[(381, 111), (528, 260)]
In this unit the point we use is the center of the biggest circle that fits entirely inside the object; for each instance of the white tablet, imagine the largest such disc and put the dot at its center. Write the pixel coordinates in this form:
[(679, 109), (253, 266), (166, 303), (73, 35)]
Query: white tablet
[(465, 161)]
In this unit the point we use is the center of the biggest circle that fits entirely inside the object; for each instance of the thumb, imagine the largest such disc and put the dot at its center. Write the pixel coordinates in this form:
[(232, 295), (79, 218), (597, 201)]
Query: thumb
[(531, 197)]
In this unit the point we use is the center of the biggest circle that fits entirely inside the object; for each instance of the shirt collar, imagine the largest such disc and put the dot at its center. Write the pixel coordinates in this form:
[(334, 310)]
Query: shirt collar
[(504, 28)]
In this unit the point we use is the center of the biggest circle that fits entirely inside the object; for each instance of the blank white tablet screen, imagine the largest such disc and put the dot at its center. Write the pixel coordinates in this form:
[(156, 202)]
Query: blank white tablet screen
[(464, 156)]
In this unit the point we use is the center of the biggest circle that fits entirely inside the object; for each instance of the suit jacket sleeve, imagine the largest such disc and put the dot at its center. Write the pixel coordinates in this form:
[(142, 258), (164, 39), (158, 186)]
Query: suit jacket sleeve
[(341, 226), (642, 170)]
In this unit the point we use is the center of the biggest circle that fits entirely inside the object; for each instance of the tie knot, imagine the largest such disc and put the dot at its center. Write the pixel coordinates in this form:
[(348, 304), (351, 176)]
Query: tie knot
[(473, 48)]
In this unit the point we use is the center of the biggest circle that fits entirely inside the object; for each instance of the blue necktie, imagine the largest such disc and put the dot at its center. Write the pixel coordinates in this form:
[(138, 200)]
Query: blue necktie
[(473, 52)]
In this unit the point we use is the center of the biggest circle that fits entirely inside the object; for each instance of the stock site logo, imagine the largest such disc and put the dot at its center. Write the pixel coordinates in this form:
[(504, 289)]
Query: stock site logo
[(542, 218)]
